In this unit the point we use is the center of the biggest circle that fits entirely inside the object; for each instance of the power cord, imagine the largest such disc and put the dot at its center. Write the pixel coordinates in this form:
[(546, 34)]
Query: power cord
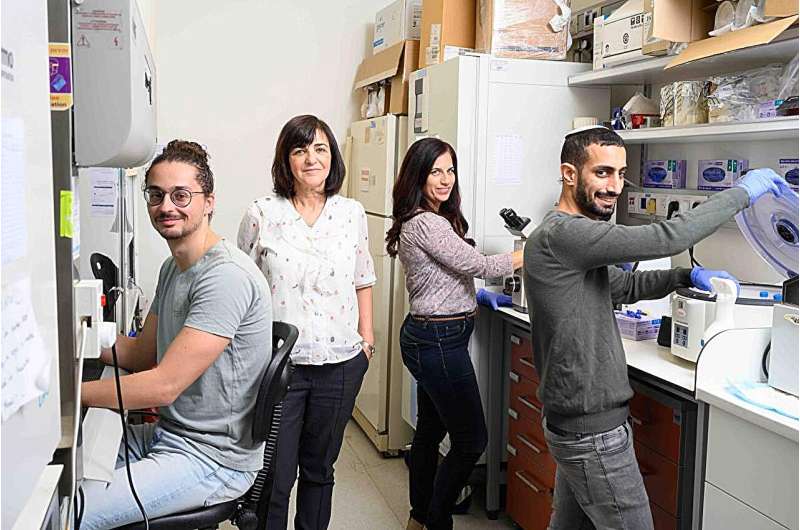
[(79, 512), (125, 438), (764, 361)]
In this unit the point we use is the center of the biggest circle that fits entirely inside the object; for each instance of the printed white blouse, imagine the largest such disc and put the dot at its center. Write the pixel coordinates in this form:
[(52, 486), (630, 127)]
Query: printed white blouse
[(313, 272)]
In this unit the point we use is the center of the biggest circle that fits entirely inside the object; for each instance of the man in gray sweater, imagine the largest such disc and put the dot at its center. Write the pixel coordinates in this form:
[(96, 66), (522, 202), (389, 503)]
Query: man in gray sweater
[(571, 285)]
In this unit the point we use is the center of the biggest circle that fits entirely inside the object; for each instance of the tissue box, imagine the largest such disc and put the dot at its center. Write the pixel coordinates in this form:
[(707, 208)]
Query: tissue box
[(787, 167), (633, 328), (719, 174), (664, 174)]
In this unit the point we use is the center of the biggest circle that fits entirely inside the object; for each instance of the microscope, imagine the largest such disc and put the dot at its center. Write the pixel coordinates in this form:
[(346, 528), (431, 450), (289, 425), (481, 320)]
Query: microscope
[(521, 228)]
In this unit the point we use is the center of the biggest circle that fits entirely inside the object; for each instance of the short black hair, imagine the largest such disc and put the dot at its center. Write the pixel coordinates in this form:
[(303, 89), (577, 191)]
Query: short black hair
[(300, 132), (574, 149)]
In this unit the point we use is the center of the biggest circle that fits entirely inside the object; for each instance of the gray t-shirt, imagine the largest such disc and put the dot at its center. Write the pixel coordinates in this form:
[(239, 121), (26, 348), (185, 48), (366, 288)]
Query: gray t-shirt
[(223, 293)]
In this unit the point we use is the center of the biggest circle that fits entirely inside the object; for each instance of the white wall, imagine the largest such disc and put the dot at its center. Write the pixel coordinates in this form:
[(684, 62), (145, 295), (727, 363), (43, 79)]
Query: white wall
[(230, 74)]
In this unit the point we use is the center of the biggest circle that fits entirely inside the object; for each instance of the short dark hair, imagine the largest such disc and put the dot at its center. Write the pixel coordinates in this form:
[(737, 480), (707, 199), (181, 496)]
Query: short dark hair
[(300, 132), (190, 153), (574, 149)]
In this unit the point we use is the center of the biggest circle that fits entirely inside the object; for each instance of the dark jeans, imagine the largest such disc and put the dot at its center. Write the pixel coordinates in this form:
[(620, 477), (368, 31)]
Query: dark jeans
[(598, 483), (448, 401), (315, 412)]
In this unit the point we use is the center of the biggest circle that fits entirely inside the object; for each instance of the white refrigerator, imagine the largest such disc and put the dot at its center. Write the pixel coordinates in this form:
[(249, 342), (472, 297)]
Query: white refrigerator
[(376, 149), (506, 119)]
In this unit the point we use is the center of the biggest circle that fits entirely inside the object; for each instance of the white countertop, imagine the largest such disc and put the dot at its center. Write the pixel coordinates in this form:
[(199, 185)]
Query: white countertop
[(644, 355), (717, 396), (733, 356)]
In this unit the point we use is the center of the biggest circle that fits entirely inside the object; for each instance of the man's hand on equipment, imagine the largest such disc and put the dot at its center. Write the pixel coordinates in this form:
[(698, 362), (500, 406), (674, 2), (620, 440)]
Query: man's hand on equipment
[(757, 182), (701, 278)]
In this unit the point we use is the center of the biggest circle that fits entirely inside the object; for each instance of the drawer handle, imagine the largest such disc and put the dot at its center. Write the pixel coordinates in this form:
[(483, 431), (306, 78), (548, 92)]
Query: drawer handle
[(513, 413), (520, 475), (513, 376), (525, 362), (532, 446), (511, 449), (529, 404), (515, 340)]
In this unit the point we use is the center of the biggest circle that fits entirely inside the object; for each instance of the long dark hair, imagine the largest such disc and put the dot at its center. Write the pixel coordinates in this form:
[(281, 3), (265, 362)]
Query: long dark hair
[(408, 199), (299, 132)]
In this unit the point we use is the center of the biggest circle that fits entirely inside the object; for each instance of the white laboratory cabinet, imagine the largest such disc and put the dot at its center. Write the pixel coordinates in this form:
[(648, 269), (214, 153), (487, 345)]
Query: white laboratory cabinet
[(377, 147), (506, 120)]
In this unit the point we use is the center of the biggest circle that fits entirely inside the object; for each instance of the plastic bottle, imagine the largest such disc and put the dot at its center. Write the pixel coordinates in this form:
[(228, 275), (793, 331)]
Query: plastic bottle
[(726, 301)]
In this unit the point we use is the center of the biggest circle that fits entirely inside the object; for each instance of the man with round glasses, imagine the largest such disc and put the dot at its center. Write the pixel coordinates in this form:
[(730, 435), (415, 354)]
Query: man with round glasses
[(199, 359)]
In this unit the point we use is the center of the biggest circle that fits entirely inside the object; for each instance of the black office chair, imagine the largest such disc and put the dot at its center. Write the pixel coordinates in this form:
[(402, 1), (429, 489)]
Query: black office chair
[(105, 269), (249, 511)]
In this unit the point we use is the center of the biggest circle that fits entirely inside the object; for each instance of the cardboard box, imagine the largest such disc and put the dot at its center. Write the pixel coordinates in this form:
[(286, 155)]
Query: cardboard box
[(651, 45), (445, 23), (752, 36), (669, 174), (519, 29), (597, 51), (780, 8), (395, 23), (390, 67), (787, 168), (719, 174), (622, 34)]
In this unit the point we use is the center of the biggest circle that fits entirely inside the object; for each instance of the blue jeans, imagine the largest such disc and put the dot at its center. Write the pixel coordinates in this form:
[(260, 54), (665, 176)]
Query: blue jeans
[(169, 475), (598, 483), (448, 401)]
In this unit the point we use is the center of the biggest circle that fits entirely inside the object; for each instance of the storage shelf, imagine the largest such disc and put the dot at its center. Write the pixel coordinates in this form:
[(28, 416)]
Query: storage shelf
[(784, 128), (651, 71)]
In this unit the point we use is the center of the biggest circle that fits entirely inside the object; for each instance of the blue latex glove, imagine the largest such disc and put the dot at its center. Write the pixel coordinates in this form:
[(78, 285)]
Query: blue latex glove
[(701, 278), (757, 182), (493, 300)]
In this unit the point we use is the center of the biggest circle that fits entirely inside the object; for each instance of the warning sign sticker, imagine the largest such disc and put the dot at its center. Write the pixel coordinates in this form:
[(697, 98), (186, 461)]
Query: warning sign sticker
[(99, 28)]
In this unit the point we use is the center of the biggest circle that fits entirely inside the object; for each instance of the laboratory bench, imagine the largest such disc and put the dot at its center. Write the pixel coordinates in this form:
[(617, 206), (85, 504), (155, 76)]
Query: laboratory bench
[(668, 425)]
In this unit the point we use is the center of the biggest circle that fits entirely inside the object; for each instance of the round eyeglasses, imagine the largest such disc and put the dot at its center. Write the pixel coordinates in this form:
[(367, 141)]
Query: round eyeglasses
[(180, 197)]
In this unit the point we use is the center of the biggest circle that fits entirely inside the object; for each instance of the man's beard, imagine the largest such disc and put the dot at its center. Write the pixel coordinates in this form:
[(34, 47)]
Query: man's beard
[(587, 204), (171, 234)]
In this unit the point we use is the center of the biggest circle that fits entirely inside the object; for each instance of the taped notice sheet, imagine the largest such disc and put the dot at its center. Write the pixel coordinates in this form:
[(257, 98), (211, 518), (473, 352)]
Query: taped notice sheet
[(25, 365), (508, 159)]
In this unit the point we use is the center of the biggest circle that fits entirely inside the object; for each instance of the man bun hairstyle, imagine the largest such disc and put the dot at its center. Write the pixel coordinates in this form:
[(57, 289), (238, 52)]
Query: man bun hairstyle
[(574, 149)]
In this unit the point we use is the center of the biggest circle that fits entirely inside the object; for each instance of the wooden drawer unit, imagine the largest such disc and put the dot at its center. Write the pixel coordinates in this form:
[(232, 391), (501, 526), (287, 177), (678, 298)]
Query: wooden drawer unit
[(660, 478), (527, 447), (528, 502), (655, 426), (522, 396), (522, 357)]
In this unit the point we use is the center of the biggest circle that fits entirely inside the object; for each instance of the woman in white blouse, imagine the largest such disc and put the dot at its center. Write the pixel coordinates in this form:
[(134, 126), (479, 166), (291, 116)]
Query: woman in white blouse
[(313, 248)]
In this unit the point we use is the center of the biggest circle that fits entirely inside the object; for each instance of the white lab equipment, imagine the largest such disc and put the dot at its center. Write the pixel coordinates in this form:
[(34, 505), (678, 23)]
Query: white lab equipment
[(770, 227), (115, 85), (693, 312), (377, 148), (783, 354), (506, 120)]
